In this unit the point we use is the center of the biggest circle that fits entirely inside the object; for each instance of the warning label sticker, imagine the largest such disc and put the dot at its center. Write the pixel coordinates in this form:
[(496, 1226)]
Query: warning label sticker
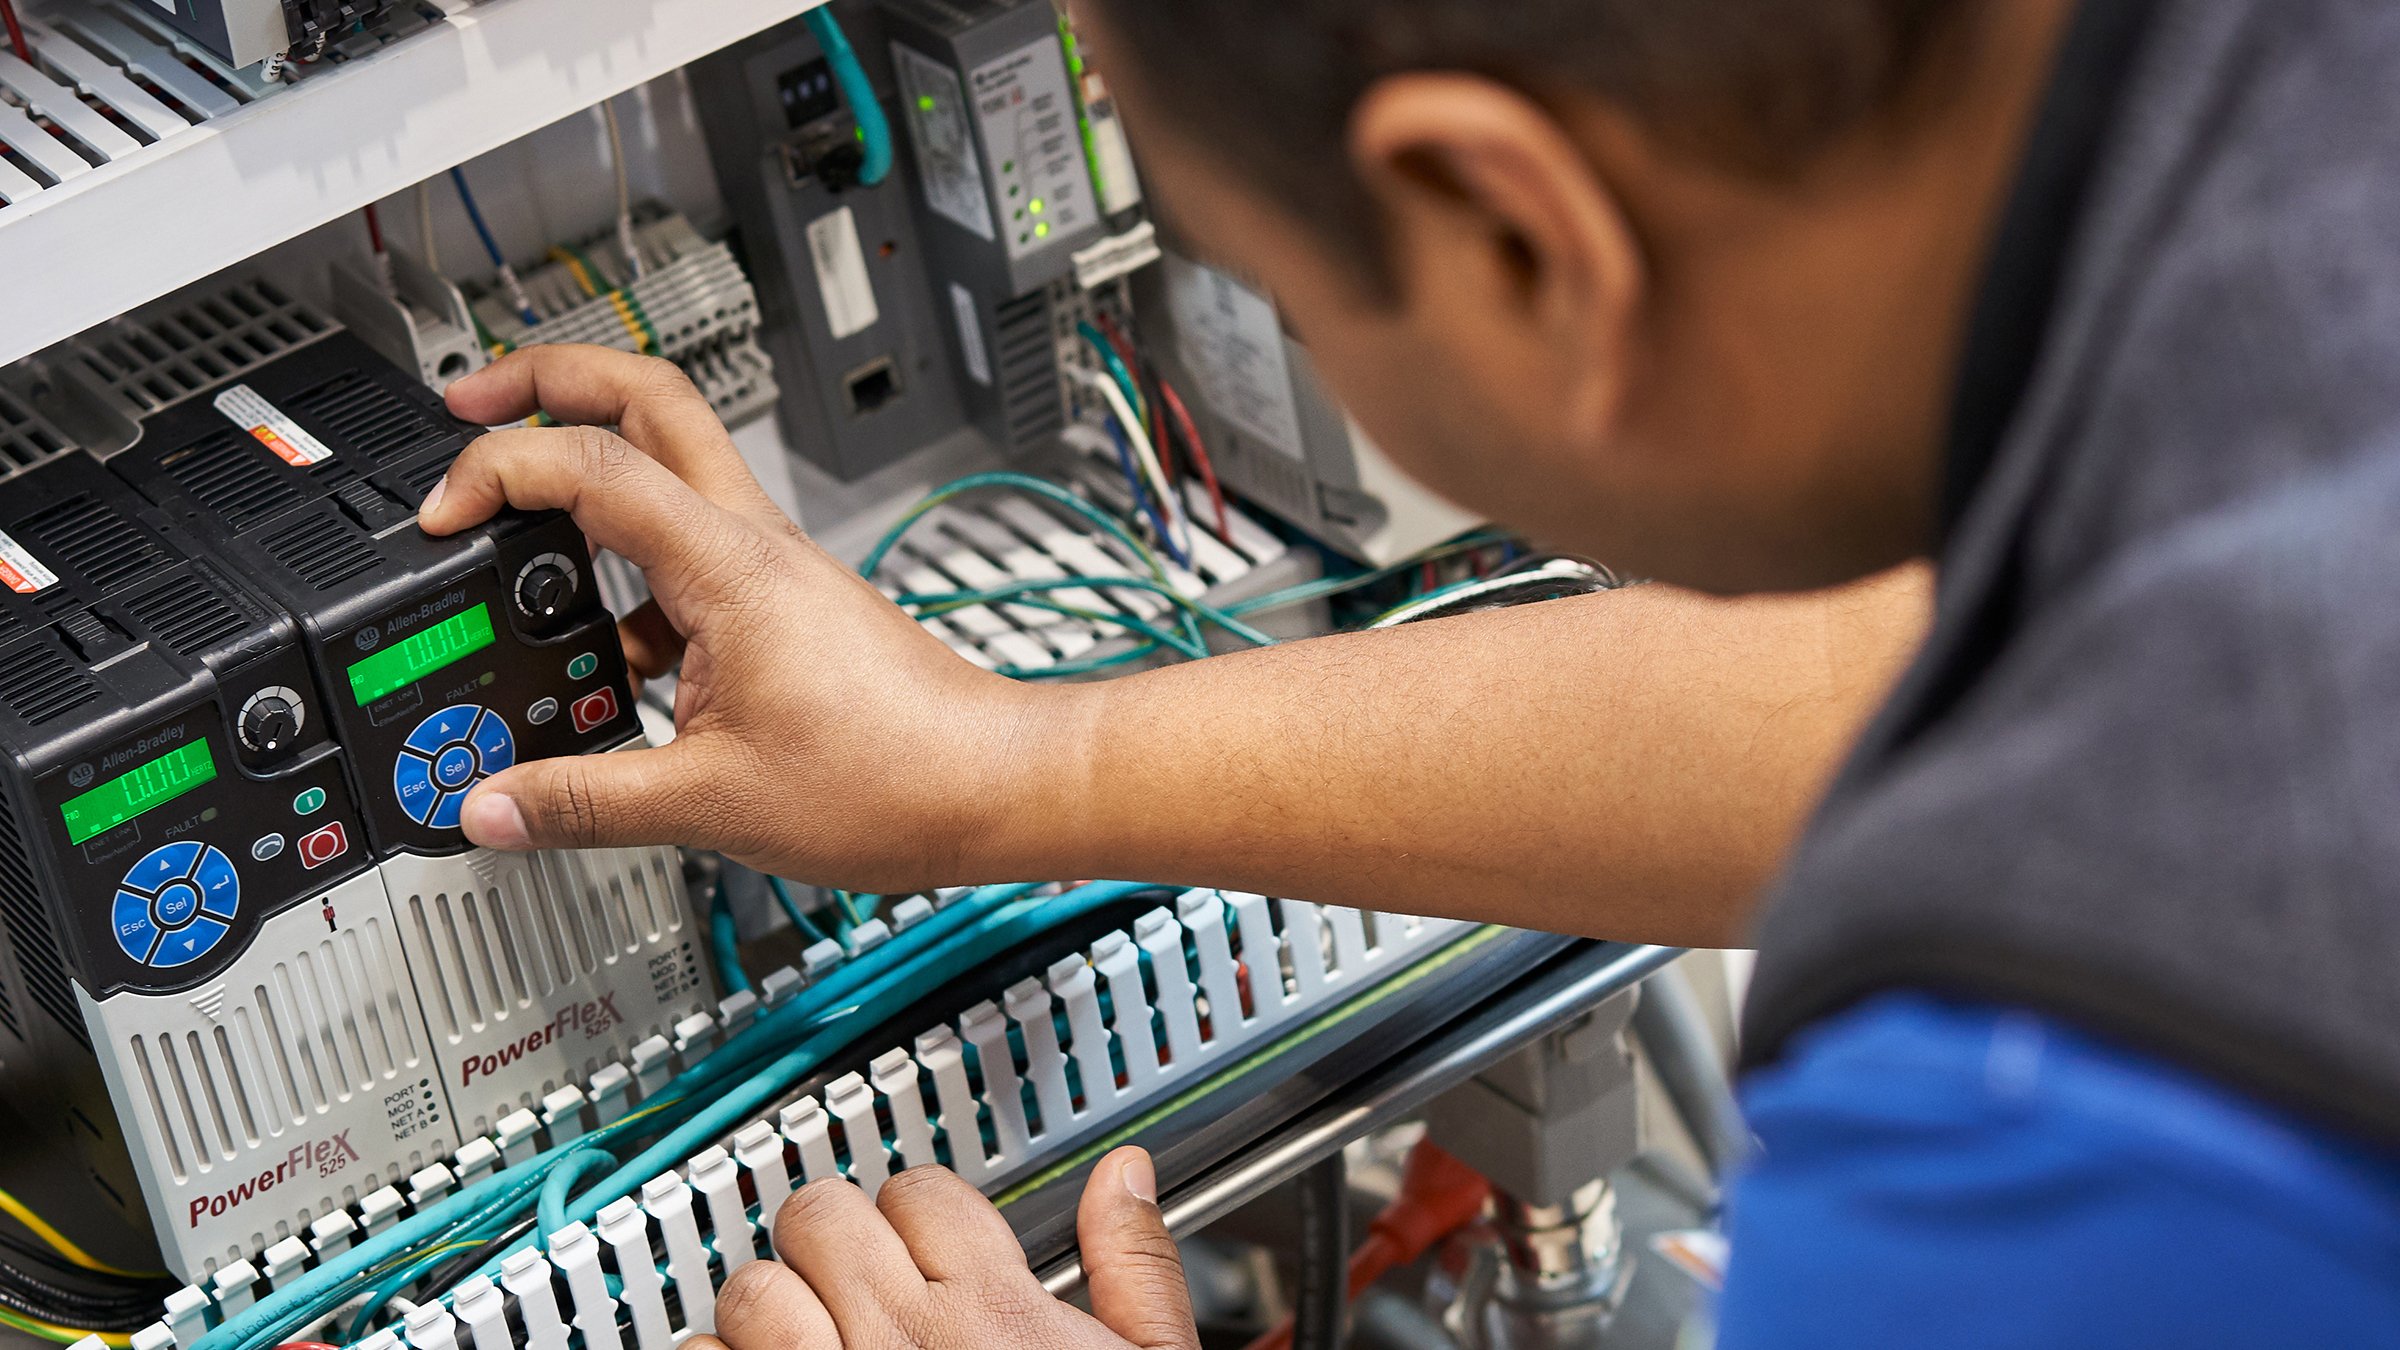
[(22, 572), (250, 411)]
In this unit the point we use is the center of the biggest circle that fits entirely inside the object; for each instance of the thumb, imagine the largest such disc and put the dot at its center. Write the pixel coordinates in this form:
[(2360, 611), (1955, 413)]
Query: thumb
[(1130, 1264), (627, 799)]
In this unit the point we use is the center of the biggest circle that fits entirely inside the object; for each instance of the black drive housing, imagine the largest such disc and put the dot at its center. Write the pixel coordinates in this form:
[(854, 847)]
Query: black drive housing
[(305, 476)]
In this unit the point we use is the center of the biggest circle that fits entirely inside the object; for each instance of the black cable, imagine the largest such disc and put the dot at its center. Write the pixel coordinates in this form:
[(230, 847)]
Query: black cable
[(125, 1309), (1321, 1303)]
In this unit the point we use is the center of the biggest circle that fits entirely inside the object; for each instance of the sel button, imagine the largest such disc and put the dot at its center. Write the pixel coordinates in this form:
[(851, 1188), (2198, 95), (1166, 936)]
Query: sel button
[(268, 848), (542, 711)]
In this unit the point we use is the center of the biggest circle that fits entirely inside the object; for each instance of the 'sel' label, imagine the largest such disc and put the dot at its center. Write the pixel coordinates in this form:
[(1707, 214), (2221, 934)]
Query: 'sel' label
[(22, 572), (250, 411)]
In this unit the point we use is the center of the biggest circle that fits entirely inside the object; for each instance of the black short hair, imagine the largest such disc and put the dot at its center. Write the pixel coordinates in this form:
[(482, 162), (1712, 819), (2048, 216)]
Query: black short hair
[(1756, 85)]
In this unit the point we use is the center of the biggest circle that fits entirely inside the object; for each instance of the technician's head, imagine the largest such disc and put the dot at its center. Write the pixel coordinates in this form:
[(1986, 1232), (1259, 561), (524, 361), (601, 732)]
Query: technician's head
[(1679, 282)]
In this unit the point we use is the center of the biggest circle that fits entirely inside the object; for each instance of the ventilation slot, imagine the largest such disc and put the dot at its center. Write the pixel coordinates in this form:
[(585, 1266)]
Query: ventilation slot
[(1030, 407), (322, 552), (187, 615), (368, 418), (95, 541), (30, 934), (420, 480), (226, 473), (38, 684), (8, 1013), (11, 627), (26, 437)]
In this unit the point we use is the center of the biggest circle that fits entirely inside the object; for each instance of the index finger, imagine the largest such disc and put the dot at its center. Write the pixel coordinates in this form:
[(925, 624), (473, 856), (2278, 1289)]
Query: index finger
[(622, 499), (651, 402)]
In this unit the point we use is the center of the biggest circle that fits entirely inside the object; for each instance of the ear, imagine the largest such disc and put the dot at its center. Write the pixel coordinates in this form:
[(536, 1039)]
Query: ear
[(1503, 231)]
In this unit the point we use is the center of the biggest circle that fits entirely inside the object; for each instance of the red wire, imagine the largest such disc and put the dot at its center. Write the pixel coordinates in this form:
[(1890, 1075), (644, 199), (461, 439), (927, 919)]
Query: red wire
[(1200, 460), (1439, 1195), (374, 226), (16, 34), (1133, 366)]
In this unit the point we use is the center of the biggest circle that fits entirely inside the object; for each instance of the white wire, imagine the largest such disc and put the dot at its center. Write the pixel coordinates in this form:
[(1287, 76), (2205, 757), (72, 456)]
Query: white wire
[(433, 256), (616, 155), (1144, 453)]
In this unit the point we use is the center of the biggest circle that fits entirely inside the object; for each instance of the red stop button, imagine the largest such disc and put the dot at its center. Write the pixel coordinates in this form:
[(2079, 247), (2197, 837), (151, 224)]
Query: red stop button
[(595, 709), (324, 846)]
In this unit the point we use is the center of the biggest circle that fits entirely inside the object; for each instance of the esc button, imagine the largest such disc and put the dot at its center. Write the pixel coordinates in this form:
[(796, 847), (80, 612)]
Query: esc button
[(135, 933)]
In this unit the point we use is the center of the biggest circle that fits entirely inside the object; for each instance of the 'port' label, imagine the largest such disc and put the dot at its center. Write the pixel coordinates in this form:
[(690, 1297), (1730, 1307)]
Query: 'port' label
[(250, 411), (22, 572)]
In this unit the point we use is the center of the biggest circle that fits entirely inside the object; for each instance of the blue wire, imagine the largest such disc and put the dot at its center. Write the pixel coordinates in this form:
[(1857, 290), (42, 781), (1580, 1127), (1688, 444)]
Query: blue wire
[(491, 246), (875, 129), (791, 909), (1141, 495)]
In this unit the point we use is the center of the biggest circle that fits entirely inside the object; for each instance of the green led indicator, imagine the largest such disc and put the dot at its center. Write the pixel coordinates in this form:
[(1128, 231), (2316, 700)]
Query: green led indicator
[(925, 103), (1038, 206), (1042, 231), (153, 785), (404, 663)]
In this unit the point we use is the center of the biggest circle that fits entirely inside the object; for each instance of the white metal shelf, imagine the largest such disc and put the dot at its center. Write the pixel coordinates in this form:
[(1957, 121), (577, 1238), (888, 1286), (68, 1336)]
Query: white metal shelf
[(183, 200)]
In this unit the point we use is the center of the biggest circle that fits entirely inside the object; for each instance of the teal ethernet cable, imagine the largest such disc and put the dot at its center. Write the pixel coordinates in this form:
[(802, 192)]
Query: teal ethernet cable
[(791, 909), (874, 129), (725, 944), (1031, 486), (944, 602), (496, 1199)]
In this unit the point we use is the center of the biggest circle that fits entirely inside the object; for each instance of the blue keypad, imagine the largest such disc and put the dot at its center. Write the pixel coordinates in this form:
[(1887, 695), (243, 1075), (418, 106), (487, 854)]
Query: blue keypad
[(220, 885), (136, 934), (448, 754), (176, 904), (163, 865), (183, 948), (446, 727), (493, 744)]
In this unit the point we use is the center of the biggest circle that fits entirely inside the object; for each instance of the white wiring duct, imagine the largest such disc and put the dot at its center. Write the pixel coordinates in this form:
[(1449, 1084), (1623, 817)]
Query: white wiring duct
[(616, 155), (1144, 453)]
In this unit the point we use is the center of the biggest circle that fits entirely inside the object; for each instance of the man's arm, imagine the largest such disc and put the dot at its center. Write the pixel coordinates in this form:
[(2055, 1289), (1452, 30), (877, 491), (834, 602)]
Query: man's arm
[(1631, 764)]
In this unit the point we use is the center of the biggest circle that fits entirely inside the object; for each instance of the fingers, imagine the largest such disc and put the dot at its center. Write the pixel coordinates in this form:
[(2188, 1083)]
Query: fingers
[(622, 499), (652, 646), (649, 400), (1130, 1262), (952, 1231), (832, 1234), (767, 1306), (630, 799)]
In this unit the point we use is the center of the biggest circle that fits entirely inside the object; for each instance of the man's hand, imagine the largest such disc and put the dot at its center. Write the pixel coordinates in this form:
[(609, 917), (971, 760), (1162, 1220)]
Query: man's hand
[(930, 1265), (821, 733), (1629, 765)]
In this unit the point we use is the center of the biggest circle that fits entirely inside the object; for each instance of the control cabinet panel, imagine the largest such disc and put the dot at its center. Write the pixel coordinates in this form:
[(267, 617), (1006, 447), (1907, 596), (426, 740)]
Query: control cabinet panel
[(439, 661)]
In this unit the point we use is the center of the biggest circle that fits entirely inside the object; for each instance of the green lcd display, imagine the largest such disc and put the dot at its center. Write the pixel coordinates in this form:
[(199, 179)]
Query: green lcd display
[(153, 785), (404, 663)]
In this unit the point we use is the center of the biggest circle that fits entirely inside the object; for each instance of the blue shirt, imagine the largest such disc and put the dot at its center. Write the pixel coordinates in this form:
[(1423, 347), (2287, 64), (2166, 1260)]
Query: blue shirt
[(1933, 1174)]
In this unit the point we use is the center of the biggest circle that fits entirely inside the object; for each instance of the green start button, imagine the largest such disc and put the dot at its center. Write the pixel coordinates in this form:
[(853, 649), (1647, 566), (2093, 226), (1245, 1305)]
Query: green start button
[(309, 802), (583, 667)]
